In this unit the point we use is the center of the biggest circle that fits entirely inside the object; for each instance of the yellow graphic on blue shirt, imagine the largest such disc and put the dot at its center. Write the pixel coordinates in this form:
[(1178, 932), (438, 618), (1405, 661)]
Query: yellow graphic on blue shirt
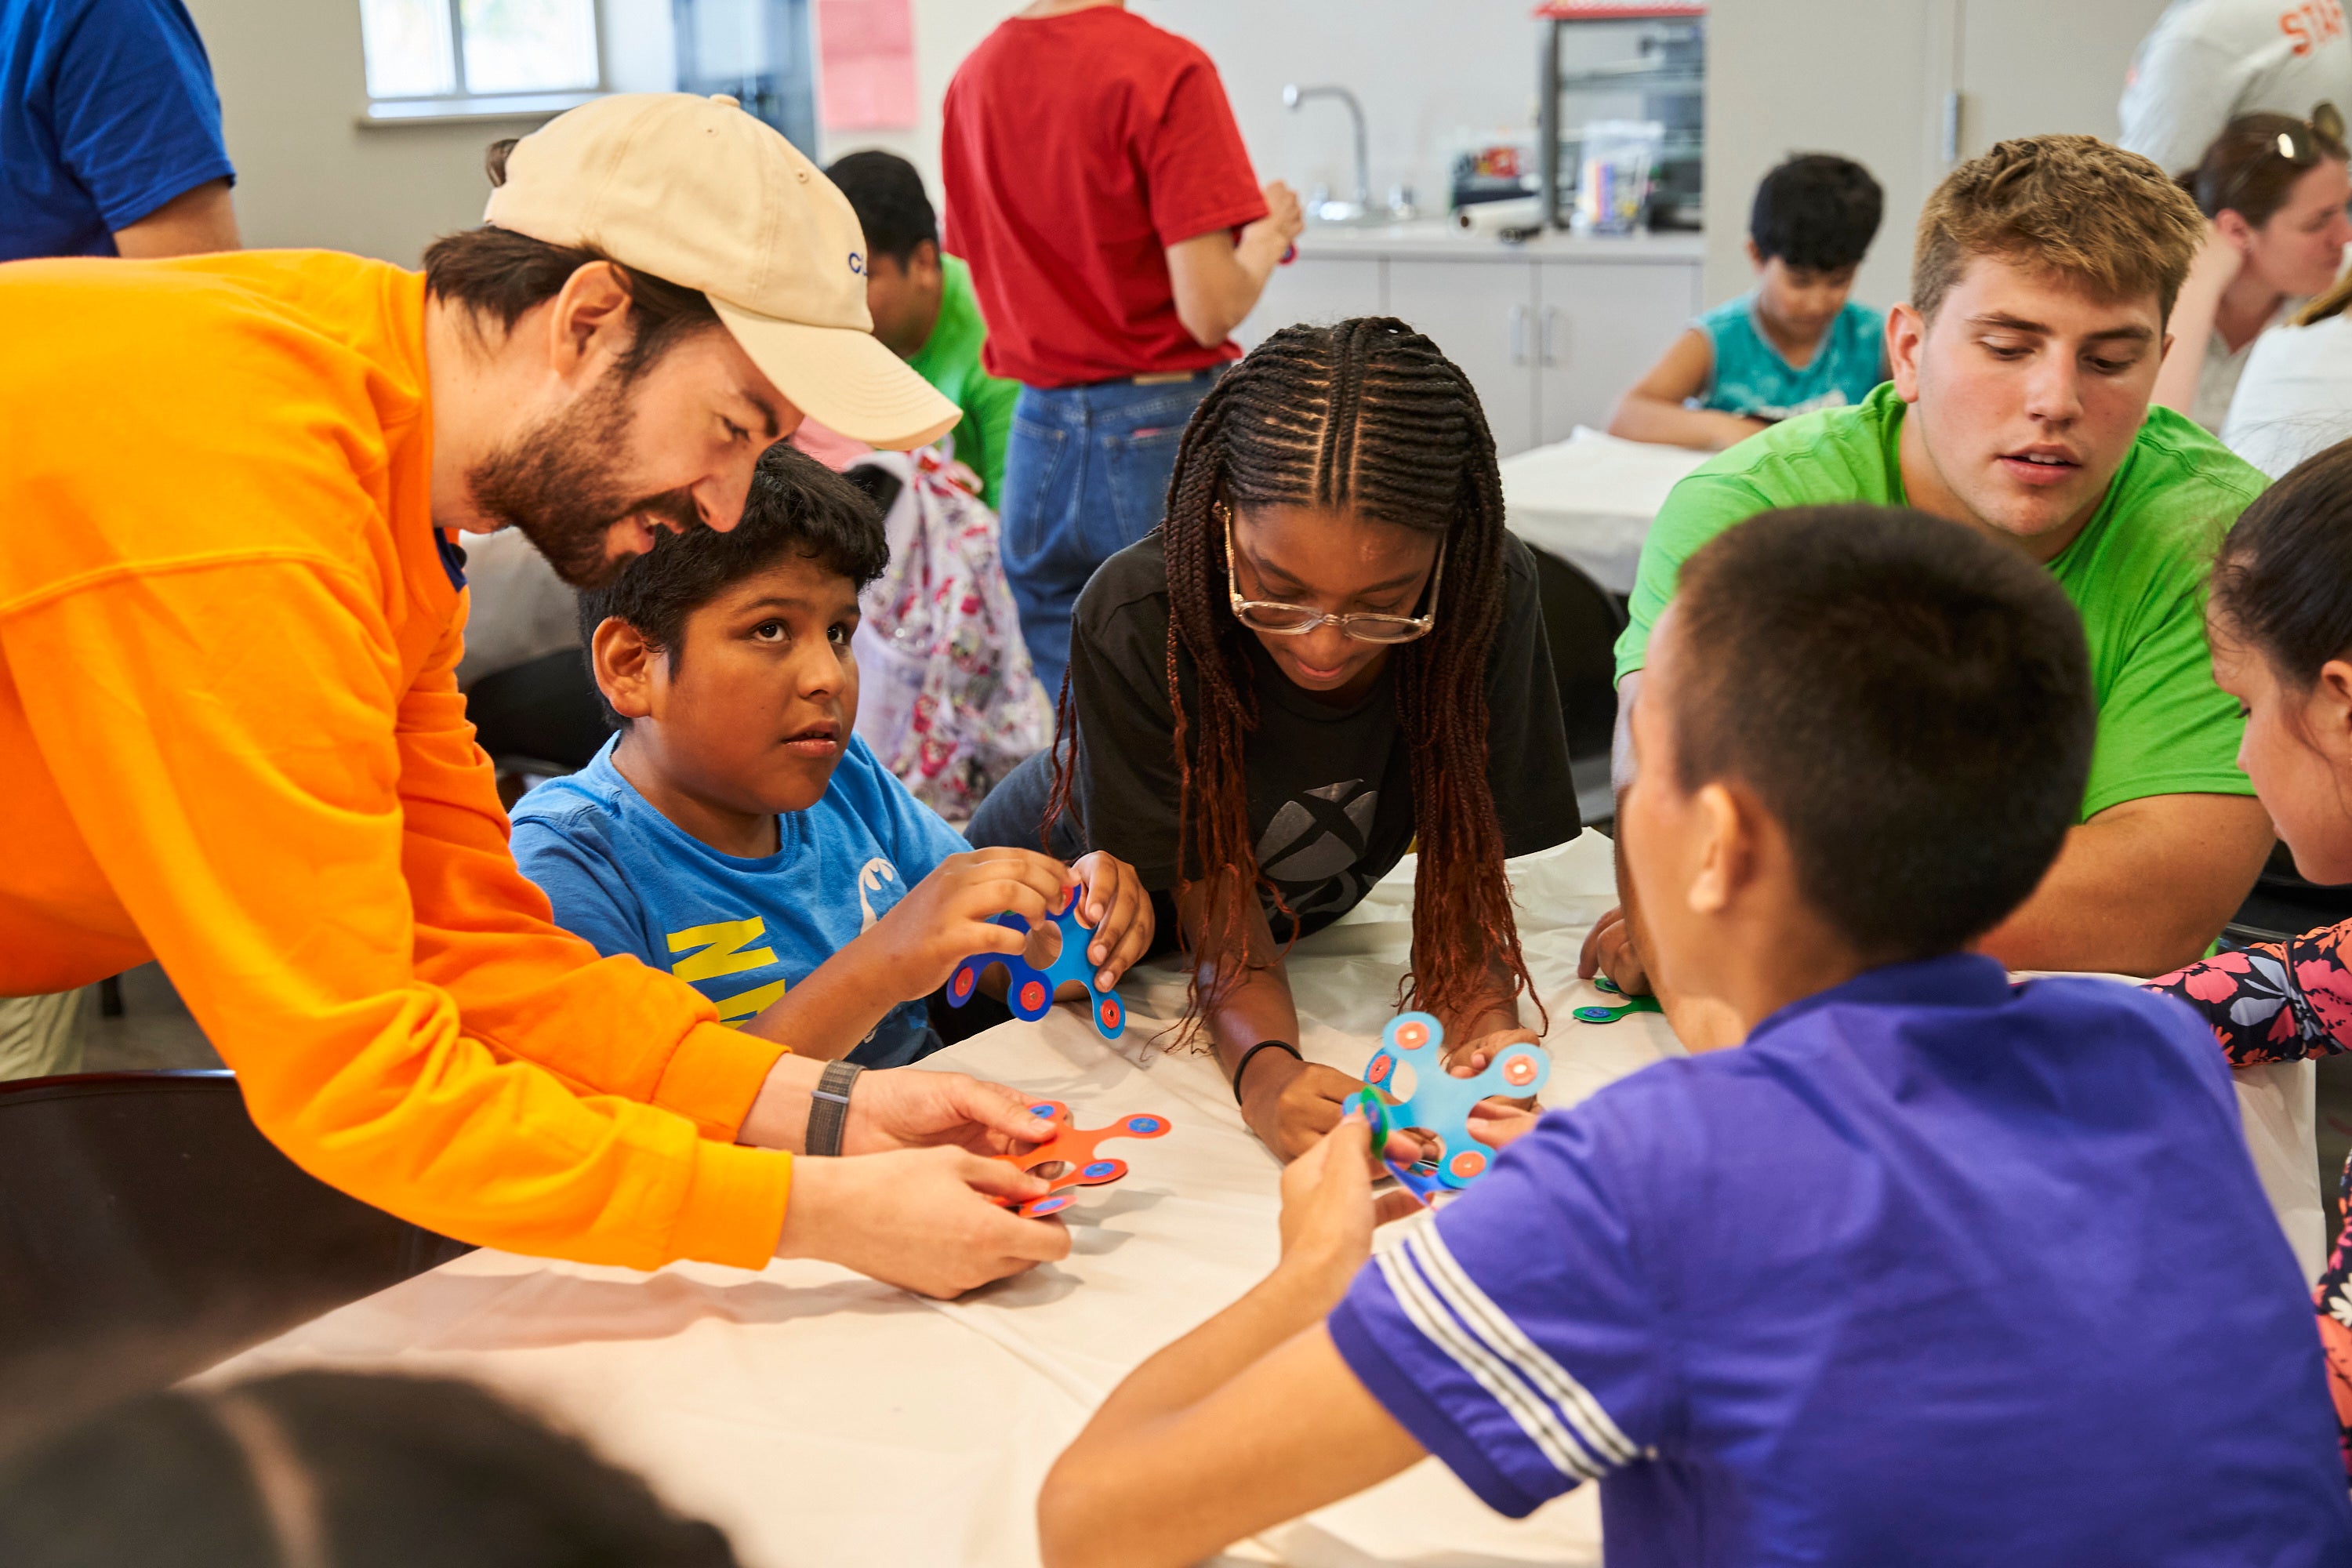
[(722, 946)]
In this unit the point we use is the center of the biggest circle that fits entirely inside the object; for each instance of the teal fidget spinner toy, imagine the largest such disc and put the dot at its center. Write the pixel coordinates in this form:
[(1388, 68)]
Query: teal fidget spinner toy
[(1439, 1110)]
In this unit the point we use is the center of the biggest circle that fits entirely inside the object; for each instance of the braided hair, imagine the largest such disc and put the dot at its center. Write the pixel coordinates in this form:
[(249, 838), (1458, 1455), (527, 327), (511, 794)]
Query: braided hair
[(1367, 416)]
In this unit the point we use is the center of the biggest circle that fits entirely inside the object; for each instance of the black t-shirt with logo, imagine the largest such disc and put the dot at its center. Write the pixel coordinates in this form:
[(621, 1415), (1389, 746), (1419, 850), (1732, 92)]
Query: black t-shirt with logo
[(1330, 787)]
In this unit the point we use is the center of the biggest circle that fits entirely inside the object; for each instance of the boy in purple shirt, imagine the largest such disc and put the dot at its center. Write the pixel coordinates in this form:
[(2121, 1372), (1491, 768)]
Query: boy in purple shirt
[(1935, 1269)]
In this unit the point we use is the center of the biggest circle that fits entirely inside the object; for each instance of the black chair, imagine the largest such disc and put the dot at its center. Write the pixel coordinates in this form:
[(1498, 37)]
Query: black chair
[(541, 716), (143, 1216), (1582, 620), (2283, 905)]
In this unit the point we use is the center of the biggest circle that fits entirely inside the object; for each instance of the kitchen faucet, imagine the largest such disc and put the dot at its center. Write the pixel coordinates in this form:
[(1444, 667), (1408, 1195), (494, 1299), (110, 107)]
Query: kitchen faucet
[(1294, 95)]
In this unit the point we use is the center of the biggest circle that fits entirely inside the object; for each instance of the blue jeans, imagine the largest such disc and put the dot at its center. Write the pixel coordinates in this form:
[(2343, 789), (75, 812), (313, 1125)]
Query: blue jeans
[(1086, 475)]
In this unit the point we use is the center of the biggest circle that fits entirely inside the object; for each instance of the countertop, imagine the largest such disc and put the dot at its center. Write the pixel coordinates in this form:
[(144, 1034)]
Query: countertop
[(1439, 240)]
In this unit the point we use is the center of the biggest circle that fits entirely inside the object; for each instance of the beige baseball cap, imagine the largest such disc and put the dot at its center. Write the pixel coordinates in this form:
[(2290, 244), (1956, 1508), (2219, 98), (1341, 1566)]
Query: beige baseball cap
[(701, 194)]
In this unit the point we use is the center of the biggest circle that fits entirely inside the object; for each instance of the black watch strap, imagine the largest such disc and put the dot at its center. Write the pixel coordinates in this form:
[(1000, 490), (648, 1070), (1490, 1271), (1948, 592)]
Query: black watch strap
[(1243, 1065), (829, 1107)]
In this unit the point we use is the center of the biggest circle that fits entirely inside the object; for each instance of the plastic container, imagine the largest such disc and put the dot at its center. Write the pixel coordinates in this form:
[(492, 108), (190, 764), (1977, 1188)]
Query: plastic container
[(1613, 184)]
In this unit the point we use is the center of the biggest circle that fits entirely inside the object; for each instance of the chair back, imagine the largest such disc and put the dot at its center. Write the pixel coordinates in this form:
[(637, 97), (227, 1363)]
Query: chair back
[(541, 716), (144, 1209), (1582, 620)]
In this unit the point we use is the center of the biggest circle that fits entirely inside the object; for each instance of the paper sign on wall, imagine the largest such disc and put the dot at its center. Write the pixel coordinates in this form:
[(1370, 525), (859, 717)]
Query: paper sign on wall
[(865, 64)]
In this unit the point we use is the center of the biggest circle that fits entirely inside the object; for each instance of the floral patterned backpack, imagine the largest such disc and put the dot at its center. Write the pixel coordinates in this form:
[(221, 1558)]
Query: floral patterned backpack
[(947, 697)]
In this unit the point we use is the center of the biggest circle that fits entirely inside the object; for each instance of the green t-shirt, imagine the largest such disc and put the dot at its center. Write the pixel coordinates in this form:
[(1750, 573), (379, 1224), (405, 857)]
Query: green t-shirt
[(2135, 574), (950, 361)]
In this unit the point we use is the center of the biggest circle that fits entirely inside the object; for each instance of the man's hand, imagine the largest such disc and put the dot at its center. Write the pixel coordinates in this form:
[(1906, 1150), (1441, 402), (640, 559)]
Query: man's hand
[(1290, 1104), (916, 1218), (951, 914), (1116, 905), (1608, 950), (914, 1108)]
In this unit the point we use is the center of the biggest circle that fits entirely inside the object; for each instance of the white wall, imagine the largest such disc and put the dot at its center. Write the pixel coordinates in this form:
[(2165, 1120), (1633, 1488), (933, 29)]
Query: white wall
[(1878, 76), (292, 86), (1419, 84)]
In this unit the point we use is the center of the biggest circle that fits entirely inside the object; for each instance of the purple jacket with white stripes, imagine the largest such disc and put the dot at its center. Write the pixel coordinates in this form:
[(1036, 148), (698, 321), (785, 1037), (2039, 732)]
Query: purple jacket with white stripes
[(1934, 1269)]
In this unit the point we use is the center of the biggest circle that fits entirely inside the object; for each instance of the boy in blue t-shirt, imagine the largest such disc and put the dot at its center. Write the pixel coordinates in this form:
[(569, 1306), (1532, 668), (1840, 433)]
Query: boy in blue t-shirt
[(1934, 1268), (1791, 345), (738, 834)]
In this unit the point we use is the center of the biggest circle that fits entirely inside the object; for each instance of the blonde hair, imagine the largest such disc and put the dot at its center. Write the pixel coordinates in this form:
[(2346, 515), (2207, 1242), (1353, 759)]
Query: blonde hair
[(2108, 220), (2323, 306)]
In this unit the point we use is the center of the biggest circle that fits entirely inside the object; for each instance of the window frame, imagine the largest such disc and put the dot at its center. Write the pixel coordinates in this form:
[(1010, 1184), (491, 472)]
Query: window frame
[(463, 103)]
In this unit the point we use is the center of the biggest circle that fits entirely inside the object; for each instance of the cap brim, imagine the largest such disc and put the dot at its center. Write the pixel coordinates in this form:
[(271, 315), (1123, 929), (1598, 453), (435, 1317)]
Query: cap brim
[(845, 380)]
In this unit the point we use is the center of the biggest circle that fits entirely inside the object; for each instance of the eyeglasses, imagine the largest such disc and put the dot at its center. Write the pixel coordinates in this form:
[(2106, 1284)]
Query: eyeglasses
[(2298, 142), (1274, 616)]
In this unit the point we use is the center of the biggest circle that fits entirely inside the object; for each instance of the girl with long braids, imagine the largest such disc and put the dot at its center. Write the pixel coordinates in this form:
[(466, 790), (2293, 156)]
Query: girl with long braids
[(1329, 650)]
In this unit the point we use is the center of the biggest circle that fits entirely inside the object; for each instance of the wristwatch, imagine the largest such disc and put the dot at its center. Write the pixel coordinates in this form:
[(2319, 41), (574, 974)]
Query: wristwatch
[(829, 1107)]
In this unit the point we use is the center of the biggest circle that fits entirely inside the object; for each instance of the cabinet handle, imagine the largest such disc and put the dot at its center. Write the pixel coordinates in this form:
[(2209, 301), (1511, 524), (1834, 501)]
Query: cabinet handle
[(1548, 341), (1519, 334)]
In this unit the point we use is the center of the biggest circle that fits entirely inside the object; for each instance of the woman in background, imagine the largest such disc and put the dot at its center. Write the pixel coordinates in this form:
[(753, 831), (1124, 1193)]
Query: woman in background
[(2274, 189)]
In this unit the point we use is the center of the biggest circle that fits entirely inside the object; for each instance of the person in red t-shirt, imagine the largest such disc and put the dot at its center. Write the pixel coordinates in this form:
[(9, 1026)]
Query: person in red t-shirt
[(1098, 186)]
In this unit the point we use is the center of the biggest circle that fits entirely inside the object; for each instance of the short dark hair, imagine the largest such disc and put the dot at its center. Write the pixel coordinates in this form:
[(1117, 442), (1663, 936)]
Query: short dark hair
[(797, 506), (1817, 211), (891, 206), (2283, 581), (1911, 701), (498, 274), (400, 1469)]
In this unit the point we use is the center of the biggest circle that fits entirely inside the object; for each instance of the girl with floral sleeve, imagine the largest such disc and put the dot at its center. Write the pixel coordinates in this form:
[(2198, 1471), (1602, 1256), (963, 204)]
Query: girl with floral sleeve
[(2279, 621)]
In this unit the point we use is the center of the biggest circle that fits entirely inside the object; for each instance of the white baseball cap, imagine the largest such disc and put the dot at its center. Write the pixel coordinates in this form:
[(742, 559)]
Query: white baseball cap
[(699, 193)]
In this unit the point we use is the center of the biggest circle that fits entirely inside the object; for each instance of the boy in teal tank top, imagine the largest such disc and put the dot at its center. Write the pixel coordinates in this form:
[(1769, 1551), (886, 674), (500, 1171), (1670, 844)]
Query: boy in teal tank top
[(1791, 345), (2042, 278)]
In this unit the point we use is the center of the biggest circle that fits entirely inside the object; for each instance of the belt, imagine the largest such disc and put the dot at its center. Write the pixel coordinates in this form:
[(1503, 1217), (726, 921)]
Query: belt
[(1170, 378)]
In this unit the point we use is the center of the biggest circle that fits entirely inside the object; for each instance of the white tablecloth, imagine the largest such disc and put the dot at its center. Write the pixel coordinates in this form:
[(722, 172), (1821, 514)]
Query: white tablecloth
[(823, 1419), (1589, 498)]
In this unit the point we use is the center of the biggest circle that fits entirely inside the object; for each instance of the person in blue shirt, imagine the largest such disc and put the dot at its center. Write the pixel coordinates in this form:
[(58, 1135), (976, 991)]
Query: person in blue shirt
[(1793, 343), (738, 835), (110, 132), (1934, 1268)]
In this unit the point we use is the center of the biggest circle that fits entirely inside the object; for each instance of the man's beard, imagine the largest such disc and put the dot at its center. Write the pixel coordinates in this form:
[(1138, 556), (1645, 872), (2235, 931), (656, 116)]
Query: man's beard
[(557, 483)]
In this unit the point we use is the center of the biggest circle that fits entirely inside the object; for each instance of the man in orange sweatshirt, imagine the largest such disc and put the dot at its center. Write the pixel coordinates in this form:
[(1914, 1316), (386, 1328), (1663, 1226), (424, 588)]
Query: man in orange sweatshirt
[(230, 609)]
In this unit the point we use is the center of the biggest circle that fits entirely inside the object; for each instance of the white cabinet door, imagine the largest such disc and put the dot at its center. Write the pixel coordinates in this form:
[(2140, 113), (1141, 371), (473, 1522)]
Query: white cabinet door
[(1482, 314), (2028, 68), (1599, 324), (1318, 289)]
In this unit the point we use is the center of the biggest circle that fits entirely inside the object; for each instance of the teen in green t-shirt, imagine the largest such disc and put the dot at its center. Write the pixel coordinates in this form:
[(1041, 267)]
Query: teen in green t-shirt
[(923, 307), (2044, 273)]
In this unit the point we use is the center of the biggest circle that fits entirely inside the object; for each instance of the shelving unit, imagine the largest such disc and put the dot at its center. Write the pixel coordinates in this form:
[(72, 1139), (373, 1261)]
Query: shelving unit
[(1669, 73)]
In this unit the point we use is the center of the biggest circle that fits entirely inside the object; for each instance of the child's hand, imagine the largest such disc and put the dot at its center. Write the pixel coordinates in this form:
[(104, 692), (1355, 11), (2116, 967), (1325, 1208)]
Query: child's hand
[(1327, 1209), (951, 914), (1498, 1124), (1469, 1059), (1608, 950), (1119, 908)]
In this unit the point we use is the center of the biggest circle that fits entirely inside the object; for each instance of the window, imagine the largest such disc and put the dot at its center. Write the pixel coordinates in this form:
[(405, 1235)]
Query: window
[(472, 49)]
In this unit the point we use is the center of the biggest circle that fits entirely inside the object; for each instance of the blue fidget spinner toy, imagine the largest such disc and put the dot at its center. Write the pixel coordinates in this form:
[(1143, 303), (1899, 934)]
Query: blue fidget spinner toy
[(1029, 990)]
